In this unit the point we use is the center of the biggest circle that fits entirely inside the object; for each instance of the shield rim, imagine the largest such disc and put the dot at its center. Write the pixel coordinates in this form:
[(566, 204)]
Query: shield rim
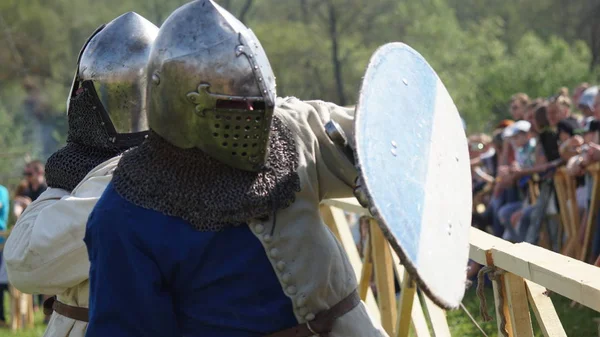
[(374, 210)]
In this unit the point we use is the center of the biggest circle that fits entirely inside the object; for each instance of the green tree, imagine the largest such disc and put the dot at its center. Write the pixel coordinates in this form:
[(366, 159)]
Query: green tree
[(484, 51)]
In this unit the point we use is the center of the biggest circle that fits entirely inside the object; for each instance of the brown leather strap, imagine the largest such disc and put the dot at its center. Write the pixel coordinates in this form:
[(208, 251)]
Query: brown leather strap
[(76, 313), (323, 322)]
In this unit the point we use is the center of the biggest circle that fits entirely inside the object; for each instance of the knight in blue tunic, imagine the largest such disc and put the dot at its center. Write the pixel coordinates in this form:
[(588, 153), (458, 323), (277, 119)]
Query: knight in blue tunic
[(211, 227)]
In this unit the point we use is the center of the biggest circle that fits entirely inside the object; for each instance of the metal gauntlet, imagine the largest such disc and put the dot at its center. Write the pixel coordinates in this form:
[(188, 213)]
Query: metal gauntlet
[(337, 136)]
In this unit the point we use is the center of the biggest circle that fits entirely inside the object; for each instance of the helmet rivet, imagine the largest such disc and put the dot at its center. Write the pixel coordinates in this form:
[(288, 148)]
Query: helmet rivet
[(155, 79)]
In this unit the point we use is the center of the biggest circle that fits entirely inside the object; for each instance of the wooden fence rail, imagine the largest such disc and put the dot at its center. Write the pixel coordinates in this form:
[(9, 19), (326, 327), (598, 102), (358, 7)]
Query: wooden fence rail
[(523, 274)]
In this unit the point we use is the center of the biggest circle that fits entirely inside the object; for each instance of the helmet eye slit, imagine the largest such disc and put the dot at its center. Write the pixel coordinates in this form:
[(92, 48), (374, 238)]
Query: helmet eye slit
[(240, 105)]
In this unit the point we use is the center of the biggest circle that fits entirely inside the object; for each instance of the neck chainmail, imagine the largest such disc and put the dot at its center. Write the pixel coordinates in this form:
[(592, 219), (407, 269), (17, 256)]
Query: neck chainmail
[(88, 145), (210, 195)]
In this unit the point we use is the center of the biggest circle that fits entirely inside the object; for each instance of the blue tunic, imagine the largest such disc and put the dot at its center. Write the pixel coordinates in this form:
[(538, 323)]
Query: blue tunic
[(154, 275)]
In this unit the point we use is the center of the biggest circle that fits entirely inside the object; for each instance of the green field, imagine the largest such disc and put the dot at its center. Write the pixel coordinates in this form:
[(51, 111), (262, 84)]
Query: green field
[(578, 321)]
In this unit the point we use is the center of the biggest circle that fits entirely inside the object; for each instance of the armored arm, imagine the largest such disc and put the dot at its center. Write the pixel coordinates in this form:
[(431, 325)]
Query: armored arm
[(333, 127), (338, 136)]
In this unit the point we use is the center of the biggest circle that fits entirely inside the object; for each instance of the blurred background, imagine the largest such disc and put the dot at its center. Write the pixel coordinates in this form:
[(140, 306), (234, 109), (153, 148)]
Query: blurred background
[(484, 51), (503, 61)]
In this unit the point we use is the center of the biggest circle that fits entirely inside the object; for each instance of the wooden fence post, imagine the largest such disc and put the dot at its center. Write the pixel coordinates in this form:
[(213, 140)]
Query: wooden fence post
[(384, 278)]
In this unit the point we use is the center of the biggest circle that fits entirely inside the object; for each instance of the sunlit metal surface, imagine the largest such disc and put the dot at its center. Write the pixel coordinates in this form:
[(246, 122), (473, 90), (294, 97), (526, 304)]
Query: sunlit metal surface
[(203, 63), (114, 60)]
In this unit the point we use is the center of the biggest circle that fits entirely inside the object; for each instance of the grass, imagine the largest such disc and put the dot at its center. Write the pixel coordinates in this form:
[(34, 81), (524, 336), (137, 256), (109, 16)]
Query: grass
[(37, 331), (577, 322)]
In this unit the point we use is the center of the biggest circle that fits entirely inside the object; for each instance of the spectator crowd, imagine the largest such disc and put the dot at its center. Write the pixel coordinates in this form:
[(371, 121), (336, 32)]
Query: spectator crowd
[(32, 184), (515, 165)]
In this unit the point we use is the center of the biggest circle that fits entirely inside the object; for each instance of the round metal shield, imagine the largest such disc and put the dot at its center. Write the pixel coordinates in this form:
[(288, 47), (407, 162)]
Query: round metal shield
[(412, 154)]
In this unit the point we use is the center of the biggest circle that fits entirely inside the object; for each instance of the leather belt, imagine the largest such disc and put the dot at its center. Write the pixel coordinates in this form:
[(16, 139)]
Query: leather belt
[(76, 313), (323, 322)]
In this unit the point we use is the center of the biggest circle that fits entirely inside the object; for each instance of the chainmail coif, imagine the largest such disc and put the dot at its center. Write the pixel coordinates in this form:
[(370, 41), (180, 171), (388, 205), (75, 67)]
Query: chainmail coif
[(88, 144), (210, 195)]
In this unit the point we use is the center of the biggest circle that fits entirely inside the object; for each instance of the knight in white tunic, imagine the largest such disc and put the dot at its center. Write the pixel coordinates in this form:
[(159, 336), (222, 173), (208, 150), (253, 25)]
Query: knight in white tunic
[(45, 252)]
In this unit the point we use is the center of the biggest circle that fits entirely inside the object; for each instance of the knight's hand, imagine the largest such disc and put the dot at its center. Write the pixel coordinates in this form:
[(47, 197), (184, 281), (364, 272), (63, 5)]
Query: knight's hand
[(360, 194)]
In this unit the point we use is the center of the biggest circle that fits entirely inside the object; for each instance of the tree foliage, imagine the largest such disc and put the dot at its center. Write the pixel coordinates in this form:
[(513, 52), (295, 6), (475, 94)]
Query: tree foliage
[(484, 51)]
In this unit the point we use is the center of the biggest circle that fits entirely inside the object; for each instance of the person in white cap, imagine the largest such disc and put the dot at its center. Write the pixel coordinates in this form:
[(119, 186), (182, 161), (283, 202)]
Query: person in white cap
[(519, 136), (586, 101)]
